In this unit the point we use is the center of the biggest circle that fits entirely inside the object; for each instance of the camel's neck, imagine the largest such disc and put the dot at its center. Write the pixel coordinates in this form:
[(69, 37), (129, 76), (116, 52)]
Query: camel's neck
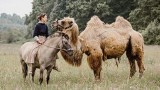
[(73, 34)]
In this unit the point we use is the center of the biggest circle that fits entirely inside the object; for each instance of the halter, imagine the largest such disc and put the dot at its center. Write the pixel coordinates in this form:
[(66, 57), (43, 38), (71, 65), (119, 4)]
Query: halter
[(60, 27), (54, 47), (57, 48)]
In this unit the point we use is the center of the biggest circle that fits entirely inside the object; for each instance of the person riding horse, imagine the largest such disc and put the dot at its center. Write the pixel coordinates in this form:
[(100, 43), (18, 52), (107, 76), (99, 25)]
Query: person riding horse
[(41, 30), (40, 35)]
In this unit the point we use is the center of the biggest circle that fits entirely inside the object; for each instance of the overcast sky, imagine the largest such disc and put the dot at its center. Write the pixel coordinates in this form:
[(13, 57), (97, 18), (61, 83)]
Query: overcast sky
[(20, 7)]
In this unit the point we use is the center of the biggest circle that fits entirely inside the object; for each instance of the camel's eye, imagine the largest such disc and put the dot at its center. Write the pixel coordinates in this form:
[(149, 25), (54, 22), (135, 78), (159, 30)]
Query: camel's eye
[(70, 22), (62, 22)]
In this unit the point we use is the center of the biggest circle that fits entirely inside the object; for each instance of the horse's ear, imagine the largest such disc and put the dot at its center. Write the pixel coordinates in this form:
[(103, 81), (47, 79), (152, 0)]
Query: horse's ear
[(65, 35)]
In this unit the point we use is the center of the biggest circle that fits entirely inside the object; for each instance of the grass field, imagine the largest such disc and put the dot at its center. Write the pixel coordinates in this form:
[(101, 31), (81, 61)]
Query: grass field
[(80, 78)]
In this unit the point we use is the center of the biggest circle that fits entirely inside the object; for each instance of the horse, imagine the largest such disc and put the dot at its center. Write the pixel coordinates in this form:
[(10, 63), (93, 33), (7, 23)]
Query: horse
[(46, 55)]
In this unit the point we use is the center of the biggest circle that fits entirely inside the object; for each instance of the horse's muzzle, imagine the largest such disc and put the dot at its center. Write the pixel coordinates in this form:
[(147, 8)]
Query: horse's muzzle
[(70, 52)]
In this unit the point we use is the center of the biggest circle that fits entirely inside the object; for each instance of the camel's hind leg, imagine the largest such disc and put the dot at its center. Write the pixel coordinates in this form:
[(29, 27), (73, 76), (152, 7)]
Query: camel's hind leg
[(132, 64), (140, 65), (24, 69)]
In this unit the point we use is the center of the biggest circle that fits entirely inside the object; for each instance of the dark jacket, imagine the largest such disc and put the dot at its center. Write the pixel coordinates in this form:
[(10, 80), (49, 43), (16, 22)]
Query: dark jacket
[(41, 29)]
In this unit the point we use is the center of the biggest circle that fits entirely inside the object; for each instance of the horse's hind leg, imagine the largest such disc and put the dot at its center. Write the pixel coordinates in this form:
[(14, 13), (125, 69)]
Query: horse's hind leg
[(49, 69), (24, 69), (33, 73)]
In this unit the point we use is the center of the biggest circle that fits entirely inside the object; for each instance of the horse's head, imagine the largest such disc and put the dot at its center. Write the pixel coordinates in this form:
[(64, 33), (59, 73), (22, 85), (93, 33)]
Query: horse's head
[(65, 45)]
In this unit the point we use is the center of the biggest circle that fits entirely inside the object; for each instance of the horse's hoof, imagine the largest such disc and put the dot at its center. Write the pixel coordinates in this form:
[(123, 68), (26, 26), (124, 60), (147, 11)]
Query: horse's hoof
[(55, 68)]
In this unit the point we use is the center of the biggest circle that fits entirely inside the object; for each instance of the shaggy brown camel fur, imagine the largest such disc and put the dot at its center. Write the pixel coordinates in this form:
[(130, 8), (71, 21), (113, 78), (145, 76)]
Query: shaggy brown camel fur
[(69, 26), (100, 42)]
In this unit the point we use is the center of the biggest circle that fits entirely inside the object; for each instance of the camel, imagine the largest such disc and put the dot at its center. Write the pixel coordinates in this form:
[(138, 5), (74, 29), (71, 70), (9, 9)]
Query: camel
[(100, 41), (68, 26)]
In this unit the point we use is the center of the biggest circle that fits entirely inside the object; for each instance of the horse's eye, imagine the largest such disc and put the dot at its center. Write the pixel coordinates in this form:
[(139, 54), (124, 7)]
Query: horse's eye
[(66, 43)]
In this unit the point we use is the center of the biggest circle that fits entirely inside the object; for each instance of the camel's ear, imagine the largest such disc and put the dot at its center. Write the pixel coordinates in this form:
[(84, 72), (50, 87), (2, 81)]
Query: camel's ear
[(54, 24), (81, 39)]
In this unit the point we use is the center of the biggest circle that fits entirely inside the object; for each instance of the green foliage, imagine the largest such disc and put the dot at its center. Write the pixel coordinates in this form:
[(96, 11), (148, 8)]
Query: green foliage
[(152, 32), (146, 12), (12, 28), (81, 10), (141, 13), (145, 18)]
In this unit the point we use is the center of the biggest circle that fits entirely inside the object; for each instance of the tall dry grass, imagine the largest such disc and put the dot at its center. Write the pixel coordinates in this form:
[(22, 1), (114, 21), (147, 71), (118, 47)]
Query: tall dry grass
[(80, 78)]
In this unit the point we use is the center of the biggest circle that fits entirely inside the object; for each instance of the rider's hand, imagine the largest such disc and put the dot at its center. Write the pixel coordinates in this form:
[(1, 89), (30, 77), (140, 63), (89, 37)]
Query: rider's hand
[(38, 40)]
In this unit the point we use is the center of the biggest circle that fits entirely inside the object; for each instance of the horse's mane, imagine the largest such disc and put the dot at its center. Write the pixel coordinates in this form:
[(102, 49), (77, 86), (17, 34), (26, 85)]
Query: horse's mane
[(56, 34)]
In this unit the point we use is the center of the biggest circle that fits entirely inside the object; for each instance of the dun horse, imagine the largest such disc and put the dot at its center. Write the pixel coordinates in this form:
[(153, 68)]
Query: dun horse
[(46, 54)]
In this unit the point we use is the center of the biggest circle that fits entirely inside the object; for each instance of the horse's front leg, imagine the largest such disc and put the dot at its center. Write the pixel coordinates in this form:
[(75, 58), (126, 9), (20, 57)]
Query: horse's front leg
[(49, 69), (41, 74)]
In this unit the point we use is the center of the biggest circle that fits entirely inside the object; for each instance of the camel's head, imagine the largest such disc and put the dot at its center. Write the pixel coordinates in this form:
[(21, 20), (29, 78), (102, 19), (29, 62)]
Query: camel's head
[(64, 24), (90, 47), (84, 46)]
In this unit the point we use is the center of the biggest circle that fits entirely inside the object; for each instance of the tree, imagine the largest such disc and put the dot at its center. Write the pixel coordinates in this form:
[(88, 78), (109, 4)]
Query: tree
[(12, 28), (81, 10), (152, 32), (147, 11)]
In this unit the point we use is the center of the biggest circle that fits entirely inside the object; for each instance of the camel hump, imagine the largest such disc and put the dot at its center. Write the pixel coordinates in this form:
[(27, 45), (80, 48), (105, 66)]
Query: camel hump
[(123, 22)]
